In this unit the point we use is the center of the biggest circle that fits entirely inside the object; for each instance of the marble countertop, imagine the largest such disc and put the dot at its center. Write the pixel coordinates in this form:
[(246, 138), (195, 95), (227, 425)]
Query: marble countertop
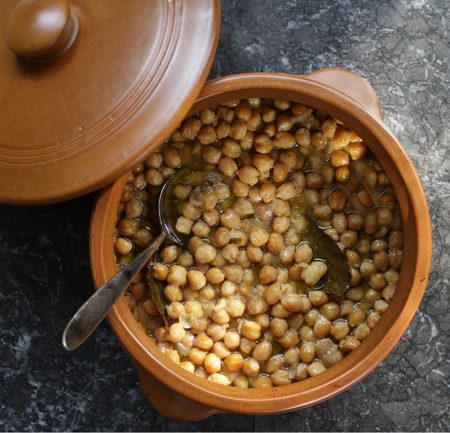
[(403, 48)]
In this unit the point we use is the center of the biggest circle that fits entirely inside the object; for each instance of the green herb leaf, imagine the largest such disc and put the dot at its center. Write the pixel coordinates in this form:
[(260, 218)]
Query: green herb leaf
[(157, 294)]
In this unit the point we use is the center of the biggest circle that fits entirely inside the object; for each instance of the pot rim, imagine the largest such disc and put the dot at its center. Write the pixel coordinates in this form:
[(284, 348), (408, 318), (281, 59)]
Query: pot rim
[(354, 366)]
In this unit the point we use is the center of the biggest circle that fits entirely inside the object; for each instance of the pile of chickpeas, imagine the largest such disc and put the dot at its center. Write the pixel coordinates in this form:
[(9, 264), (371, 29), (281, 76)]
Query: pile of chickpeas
[(244, 304)]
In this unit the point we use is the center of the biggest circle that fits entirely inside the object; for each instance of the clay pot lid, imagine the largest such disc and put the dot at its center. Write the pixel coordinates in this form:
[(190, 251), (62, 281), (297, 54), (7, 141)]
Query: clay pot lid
[(89, 88)]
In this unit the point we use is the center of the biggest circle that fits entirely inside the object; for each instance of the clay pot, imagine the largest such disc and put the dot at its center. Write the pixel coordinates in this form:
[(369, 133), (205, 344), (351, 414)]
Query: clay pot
[(179, 394)]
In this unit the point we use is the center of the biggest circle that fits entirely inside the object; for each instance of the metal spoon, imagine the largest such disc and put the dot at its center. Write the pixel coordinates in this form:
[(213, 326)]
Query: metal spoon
[(95, 309)]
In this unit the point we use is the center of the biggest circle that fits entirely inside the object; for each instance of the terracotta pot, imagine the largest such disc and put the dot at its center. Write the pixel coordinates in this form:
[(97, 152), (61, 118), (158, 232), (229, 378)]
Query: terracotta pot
[(179, 394)]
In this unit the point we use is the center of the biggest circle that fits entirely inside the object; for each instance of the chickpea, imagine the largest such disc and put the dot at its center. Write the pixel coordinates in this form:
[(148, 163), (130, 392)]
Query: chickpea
[(330, 310), (278, 327), (232, 340), (342, 174), (280, 172), (187, 365), (318, 140), (248, 175), (258, 236), (228, 288), (203, 341), (340, 329), (284, 140), (322, 327), (337, 200), (362, 331), (272, 294), (196, 279), (221, 317), (355, 317), (238, 129), (389, 291), (280, 377), (205, 254), (154, 177), (134, 208), (230, 219), (291, 301), (357, 150), (317, 297), (289, 339), (128, 227), (314, 272), (286, 191), (381, 306), (373, 318), (250, 367), (211, 154), (176, 333), (280, 207), (254, 254), (212, 363), (240, 189), (251, 330), (247, 346), (154, 160), (268, 274), (227, 166), (263, 144), (177, 275), (267, 192), (172, 157), (349, 343), (160, 271), (219, 378), (303, 253), (256, 304), (230, 253), (234, 362), (339, 158), (264, 163), (184, 225), (220, 350), (281, 224), (190, 211), (123, 246), (316, 368)]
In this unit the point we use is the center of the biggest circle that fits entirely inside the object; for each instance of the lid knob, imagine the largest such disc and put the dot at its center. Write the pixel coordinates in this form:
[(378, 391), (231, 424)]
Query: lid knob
[(40, 29)]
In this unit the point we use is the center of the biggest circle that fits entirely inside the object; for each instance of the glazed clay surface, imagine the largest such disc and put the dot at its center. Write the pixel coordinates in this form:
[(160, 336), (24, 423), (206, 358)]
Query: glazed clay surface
[(400, 48)]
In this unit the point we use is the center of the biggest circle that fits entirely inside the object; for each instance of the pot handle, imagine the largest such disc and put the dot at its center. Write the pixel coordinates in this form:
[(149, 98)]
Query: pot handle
[(351, 84), (168, 402), (40, 30)]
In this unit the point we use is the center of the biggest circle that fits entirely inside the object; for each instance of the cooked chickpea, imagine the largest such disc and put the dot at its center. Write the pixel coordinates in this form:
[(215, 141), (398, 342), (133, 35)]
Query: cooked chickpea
[(314, 272), (355, 317), (317, 297), (234, 362), (258, 236), (123, 246), (205, 254), (303, 253), (268, 274), (278, 327), (196, 279), (177, 275), (176, 333), (316, 368), (245, 290), (251, 330), (291, 301), (251, 367)]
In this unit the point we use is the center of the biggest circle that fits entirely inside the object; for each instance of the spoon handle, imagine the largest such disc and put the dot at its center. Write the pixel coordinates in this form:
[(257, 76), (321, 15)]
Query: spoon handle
[(94, 310)]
